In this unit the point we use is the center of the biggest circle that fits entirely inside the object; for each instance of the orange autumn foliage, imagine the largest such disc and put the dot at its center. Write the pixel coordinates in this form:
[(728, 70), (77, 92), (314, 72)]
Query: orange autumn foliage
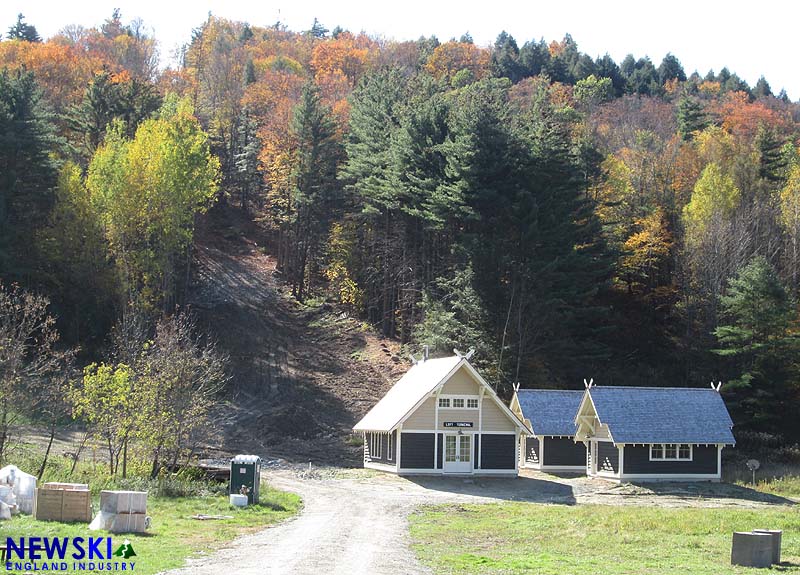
[(451, 57), (347, 54), (742, 118), (62, 71)]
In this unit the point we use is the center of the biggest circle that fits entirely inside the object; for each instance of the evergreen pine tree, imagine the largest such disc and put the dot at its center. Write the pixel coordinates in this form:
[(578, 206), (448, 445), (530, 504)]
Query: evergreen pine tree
[(370, 175), (250, 177), (771, 160), (691, 117), (315, 197), (505, 58), (758, 340), (28, 172), (23, 31)]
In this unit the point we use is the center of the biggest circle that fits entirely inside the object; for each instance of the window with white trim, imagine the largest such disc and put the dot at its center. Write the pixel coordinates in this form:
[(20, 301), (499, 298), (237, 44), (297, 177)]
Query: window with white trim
[(458, 402), (390, 447), (670, 452), (375, 445)]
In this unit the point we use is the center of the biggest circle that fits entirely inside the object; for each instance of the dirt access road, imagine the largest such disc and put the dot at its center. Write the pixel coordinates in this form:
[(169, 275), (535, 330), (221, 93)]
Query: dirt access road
[(356, 523)]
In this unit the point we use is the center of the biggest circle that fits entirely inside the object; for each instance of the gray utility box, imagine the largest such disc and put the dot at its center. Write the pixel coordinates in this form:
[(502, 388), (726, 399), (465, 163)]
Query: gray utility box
[(246, 476)]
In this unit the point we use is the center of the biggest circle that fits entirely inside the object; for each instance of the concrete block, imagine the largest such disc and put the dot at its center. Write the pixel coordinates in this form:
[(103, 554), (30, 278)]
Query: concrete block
[(776, 535), (238, 500), (751, 549), (123, 501)]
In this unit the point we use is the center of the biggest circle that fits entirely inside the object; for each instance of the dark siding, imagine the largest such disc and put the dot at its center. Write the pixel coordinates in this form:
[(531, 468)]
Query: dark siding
[(440, 450), (563, 451), (637, 460), (532, 449), (499, 451), (384, 439), (416, 451), (607, 457)]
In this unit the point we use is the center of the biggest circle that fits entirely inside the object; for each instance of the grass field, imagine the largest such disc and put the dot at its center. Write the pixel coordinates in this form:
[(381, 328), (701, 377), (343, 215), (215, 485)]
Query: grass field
[(173, 535), (782, 480), (516, 538)]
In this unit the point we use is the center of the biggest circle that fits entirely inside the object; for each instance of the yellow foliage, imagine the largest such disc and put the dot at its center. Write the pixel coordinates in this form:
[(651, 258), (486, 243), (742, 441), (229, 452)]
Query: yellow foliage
[(340, 247), (715, 194), (451, 57), (647, 250), (709, 88), (790, 203)]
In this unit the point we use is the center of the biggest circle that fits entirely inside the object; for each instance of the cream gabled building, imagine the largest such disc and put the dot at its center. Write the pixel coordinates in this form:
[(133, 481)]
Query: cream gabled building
[(442, 417)]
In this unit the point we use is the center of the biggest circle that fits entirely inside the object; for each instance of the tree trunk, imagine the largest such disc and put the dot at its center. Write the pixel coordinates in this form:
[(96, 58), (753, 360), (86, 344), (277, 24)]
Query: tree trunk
[(387, 312), (78, 452), (125, 458), (47, 451), (156, 467), (3, 433), (111, 457)]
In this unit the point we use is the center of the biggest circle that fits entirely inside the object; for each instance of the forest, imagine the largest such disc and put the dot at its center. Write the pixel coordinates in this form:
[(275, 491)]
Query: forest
[(566, 215)]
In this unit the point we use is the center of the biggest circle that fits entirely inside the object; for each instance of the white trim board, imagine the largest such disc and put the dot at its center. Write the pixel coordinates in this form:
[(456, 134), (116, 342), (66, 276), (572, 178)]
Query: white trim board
[(565, 468), (380, 466), (464, 430), (670, 477), (508, 472)]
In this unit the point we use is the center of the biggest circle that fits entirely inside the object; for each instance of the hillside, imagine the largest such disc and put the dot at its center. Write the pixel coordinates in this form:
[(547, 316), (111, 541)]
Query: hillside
[(565, 215), (301, 375)]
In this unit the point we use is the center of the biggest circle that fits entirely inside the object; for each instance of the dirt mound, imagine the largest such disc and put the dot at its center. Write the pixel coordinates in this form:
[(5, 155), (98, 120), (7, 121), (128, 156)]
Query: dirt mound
[(301, 375)]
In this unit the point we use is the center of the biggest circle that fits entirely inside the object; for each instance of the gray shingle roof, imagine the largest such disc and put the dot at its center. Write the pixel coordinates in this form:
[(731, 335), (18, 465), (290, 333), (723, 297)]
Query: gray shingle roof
[(663, 414), (550, 411)]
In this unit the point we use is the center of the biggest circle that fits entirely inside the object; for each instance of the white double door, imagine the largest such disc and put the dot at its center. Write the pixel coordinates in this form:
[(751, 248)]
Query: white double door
[(457, 453)]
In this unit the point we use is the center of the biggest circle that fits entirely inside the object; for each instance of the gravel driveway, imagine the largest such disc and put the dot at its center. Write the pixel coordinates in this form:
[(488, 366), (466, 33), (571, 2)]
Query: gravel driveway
[(357, 524)]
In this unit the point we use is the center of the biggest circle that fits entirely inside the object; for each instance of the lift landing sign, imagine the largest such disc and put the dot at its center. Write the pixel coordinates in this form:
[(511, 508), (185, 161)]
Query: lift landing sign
[(67, 555)]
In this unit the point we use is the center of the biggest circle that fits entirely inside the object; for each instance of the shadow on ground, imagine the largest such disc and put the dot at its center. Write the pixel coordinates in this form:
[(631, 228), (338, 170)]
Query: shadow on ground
[(529, 489), (708, 491)]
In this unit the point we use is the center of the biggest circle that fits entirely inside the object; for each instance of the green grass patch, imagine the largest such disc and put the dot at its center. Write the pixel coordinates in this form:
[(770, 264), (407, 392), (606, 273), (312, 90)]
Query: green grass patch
[(787, 486), (516, 538), (173, 534), (782, 484)]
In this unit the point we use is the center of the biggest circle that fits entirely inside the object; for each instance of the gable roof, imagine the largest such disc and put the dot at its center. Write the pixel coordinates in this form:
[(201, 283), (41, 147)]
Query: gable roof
[(415, 386), (550, 411), (662, 414)]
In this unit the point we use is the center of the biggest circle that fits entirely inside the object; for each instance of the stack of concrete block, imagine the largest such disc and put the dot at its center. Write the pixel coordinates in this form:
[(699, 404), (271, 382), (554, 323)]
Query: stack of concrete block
[(760, 548), (122, 512)]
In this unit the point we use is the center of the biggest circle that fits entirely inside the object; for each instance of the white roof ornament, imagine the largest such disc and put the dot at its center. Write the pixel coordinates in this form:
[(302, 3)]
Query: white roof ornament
[(424, 353), (516, 387), (458, 353), (470, 353), (588, 384), (412, 358)]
